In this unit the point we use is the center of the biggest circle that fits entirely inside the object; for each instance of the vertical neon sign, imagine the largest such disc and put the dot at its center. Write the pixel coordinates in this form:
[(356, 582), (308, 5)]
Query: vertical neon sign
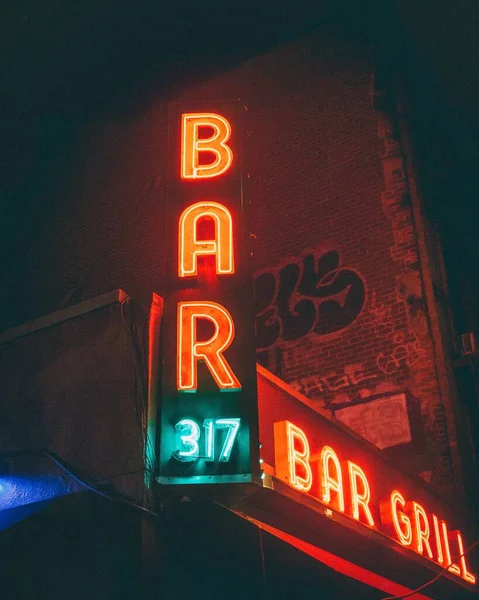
[(208, 406)]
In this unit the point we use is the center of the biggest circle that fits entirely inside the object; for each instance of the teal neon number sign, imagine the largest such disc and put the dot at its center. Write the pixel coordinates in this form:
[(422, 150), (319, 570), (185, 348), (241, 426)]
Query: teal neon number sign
[(232, 428), (209, 427), (189, 432)]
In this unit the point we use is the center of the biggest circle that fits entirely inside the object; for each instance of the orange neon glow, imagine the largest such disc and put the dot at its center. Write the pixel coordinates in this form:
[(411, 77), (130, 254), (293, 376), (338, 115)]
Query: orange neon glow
[(422, 529), (189, 247), (328, 482), (469, 577), (453, 568), (292, 456), (299, 457), (437, 535), (358, 499), (211, 351), (402, 523), (192, 146)]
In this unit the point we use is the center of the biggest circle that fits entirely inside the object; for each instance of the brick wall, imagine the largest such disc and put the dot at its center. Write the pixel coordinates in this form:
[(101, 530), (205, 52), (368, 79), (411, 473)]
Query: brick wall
[(340, 305)]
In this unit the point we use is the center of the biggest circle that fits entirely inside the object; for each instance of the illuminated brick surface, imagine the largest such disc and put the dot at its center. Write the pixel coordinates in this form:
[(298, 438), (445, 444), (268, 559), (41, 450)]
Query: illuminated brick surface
[(326, 180)]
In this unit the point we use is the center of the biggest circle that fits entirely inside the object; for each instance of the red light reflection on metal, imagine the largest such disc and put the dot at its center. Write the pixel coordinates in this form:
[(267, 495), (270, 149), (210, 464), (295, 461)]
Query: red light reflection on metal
[(341, 565)]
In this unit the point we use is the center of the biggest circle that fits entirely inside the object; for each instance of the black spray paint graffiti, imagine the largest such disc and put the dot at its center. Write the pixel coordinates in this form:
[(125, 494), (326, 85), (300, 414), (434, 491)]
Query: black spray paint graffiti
[(313, 294)]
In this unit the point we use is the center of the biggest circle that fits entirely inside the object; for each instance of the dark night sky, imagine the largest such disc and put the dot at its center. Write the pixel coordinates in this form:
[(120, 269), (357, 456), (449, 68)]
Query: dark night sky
[(65, 63)]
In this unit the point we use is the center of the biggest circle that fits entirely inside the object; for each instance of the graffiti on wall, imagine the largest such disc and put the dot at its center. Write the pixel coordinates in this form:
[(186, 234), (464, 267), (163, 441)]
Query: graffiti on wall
[(351, 376), (311, 294), (406, 350)]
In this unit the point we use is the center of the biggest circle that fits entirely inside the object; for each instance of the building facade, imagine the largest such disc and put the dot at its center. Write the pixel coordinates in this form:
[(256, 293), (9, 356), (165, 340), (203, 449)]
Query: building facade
[(344, 310), (345, 274)]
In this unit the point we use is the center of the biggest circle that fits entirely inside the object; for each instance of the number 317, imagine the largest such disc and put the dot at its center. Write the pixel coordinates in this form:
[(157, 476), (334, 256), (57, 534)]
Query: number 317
[(189, 434)]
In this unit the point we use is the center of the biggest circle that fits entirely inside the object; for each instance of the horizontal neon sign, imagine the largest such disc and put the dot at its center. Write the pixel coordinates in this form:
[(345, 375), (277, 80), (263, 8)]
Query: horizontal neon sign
[(344, 486)]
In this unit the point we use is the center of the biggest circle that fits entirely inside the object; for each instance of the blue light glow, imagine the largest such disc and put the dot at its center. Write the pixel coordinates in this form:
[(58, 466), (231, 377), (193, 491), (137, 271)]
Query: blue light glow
[(22, 495), (18, 490)]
